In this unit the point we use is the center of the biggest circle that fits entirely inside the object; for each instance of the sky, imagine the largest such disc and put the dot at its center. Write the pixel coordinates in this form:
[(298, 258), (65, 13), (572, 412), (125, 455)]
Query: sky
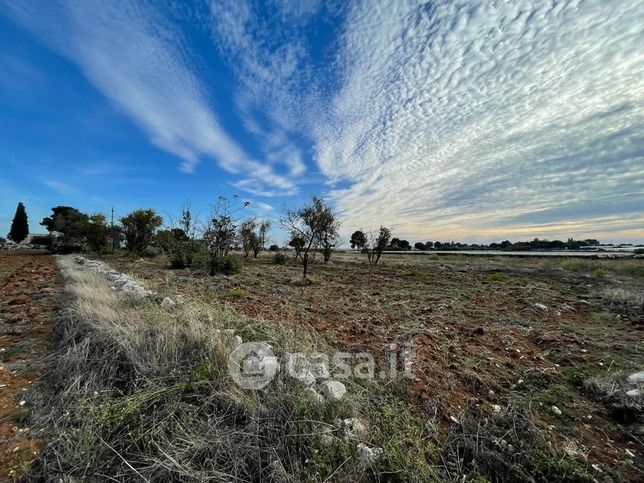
[(473, 120)]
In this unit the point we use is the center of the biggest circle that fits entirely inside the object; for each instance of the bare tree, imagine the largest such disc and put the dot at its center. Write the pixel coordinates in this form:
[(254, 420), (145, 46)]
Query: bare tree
[(315, 223), (221, 232)]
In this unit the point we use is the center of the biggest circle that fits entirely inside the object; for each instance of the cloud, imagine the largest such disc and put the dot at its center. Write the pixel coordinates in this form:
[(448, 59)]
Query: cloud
[(454, 117), (137, 58), (61, 188), (266, 46)]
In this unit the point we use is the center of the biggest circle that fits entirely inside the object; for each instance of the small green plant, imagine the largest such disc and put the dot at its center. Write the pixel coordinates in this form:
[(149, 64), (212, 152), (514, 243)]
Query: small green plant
[(236, 293), (416, 273), (500, 277), (280, 258), (599, 273)]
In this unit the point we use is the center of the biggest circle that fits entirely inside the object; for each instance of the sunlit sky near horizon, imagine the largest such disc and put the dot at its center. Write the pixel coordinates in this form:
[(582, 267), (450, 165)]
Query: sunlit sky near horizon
[(474, 120)]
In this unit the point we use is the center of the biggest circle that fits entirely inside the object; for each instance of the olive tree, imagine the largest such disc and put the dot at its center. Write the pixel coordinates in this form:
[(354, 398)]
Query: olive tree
[(376, 244), (316, 224), (139, 228), (252, 235)]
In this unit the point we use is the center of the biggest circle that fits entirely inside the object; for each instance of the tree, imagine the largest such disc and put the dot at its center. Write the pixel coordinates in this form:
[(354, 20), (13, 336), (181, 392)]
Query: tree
[(297, 242), (398, 244), (248, 236), (20, 225), (420, 246), (429, 245), (264, 227), (329, 237), (221, 231), (66, 220), (95, 232), (139, 228), (316, 223), (358, 240), (377, 244)]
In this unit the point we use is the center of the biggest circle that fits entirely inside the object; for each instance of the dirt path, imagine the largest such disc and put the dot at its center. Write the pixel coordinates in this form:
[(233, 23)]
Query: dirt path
[(29, 286)]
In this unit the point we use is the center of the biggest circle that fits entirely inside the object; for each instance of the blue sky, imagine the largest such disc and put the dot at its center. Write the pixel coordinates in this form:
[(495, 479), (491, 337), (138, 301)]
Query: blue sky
[(468, 120)]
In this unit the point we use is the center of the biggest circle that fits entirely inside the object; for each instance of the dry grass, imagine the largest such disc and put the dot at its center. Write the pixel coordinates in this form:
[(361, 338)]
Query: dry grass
[(134, 392)]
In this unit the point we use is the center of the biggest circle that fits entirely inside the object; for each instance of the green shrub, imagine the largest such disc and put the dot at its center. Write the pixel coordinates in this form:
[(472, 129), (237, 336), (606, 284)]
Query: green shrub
[(280, 259), (228, 265), (416, 273), (41, 240), (236, 293), (183, 254), (500, 277), (599, 273), (151, 252)]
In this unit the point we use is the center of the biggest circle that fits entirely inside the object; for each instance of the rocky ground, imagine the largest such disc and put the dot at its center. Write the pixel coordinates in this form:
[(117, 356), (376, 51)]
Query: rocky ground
[(30, 289), (488, 334)]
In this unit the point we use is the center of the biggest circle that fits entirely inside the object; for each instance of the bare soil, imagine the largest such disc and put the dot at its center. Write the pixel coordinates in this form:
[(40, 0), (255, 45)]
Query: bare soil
[(29, 288), (480, 339)]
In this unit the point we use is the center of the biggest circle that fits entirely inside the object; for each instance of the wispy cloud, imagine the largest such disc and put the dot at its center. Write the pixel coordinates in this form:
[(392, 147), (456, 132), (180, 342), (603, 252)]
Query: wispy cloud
[(454, 116), (61, 188), (267, 47), (138, 59)]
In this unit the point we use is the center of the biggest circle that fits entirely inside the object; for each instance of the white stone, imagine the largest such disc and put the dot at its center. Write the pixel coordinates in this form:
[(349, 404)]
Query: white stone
[(368, 456), (556, 410), (353, 428), (235, 341), (634, 393), (334, 389), (298, 367), (540, 307), (313, 396), (167, 303), (636, 378)]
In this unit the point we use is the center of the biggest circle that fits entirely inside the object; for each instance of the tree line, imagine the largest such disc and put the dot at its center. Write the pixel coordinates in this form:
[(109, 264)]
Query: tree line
[(188, 242)]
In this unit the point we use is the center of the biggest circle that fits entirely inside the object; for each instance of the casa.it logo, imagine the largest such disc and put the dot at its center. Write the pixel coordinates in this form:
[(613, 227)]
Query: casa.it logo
[(253, 365)]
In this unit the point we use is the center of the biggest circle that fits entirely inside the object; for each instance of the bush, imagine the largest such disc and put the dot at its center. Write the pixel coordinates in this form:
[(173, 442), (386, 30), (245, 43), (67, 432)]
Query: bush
[(228, 265), (416, 273), (274, 248), (639, 251), (151, 252), (500, 277), (599, 273), (183, 253), (41, 240), (65, 248), (280, 259)]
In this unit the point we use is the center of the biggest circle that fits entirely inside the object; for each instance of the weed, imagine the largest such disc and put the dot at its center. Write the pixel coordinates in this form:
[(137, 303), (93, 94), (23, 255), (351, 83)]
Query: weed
[(500, 277), (280, 259), (236, 293), (416, 273)]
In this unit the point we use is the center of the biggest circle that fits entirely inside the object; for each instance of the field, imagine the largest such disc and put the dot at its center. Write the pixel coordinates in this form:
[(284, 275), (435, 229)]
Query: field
[(30, 287), (487, 332), (519, 369)]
